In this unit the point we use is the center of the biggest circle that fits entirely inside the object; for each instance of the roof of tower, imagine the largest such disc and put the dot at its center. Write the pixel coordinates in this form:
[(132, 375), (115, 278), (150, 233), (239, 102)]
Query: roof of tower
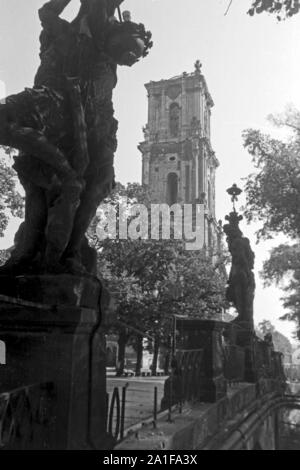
[(196, 74)]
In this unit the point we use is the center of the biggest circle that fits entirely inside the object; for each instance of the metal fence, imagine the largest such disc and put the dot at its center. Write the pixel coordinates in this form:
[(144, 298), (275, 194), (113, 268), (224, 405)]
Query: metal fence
[(129, 406), (27, 418), (268, 363), (292, 372), (183, 385)]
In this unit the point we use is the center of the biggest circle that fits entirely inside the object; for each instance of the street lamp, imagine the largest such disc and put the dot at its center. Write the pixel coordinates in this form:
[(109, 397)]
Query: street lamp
[(234, 192)]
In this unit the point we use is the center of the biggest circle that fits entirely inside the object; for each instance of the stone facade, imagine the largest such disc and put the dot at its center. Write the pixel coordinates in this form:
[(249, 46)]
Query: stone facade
[(179, 164)]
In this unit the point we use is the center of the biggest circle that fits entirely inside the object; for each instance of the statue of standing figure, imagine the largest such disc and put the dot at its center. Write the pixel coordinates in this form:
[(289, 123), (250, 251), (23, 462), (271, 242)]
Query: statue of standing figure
[(65, 131), (241, 283)]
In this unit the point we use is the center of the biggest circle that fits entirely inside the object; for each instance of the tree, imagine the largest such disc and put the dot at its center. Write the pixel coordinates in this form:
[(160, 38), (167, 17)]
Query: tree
[(11, 202), (283, 268), (281, 343), (155, 279), (265, 327), (273, 191), (4, 255), (281, 8), (273, 198)]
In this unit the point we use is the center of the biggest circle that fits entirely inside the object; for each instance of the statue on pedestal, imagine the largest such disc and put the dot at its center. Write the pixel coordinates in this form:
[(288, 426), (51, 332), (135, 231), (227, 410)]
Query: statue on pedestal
[(241, 283), (65, 131)]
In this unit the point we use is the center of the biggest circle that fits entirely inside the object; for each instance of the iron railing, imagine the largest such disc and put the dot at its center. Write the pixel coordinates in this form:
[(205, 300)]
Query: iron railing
[(184, 382), (268, 363), (115, 406), (277, 365), (263, 359), (292, 372), (128, 407), (189, 370), (27, 418)]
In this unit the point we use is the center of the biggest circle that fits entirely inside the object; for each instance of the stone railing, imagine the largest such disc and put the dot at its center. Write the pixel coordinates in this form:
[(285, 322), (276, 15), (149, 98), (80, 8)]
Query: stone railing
[(66, 348), (268, 363), (234, 363), (228, 376), (211, 355), (198, 365)]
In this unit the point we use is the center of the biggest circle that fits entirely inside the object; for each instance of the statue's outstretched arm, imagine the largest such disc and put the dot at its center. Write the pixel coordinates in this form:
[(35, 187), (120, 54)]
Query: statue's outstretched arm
[(49, 15), (97, 14), (112, 5), (107, 6)]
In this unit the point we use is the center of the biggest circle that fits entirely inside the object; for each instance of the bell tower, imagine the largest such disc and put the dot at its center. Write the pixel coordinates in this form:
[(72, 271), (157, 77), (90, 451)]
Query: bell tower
[(179, 164)]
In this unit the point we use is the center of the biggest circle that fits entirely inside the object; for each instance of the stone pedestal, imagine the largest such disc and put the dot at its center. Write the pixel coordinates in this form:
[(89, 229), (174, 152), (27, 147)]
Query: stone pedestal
[(245, 338), (52, 290), (207, 336), (63, 345)]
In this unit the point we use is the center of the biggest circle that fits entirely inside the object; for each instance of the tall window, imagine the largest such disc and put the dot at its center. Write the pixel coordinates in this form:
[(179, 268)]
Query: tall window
[(174, 120), (172, 188), (206, 122), (209, 196)]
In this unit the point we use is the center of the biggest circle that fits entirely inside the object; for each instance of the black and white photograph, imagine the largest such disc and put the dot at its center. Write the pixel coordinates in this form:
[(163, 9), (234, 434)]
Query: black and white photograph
[(149, 228)]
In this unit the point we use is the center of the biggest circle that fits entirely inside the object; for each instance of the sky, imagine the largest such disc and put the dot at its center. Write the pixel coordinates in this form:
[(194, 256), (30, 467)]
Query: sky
[(251, 65)]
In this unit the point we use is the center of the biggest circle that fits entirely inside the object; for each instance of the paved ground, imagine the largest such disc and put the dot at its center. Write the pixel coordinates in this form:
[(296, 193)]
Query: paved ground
[(139, 396)]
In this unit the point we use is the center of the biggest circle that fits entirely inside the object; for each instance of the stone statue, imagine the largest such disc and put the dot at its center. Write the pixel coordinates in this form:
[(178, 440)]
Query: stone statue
[(146, 132), (241, 283), (126, 15), (65, 132)]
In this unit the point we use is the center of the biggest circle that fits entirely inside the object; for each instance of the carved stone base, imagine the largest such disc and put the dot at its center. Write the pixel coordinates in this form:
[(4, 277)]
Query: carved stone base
[(213, 389), (245, 337), (250, 369), (53, 290), (205, 335), (66, 347)]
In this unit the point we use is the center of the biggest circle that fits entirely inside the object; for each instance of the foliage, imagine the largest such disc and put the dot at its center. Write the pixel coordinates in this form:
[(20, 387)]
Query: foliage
[(273, 191), (11, 202), (273, 197), (281, 343), (283, 268), (281, 8), (4, 255), (155, 279)]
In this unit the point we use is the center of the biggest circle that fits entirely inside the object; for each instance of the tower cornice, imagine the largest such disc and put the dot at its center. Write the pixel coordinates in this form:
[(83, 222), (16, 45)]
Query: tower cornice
[(189, 79)]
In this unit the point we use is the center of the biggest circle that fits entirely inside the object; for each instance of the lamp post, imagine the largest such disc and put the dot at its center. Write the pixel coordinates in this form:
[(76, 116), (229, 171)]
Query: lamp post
[(234, 192)]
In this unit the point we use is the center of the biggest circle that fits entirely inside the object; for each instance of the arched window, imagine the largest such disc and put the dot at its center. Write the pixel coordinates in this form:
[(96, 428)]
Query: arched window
[(174, 116), (2, 353), (172, 188)]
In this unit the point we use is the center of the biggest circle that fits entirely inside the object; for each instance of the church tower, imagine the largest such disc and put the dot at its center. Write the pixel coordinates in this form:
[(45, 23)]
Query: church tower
[(179, 164)]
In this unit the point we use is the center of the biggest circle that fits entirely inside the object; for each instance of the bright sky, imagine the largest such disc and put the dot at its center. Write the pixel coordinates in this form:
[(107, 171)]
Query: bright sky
[(252, 67)]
